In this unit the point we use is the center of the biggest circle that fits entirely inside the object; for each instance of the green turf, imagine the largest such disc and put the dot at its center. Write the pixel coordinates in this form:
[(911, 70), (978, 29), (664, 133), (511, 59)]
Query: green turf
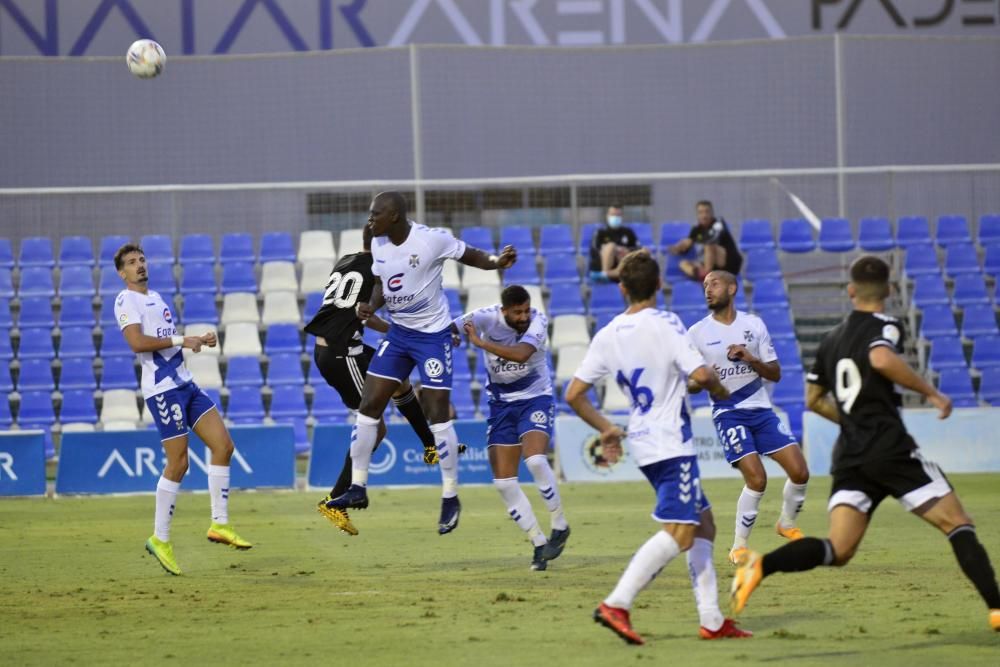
[(77, 587)]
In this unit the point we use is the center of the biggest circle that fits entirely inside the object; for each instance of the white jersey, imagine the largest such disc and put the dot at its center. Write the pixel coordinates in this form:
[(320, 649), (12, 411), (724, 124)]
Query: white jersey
[(713, 338), (411, 276), (161, 369), (650, 355), (509, 380)]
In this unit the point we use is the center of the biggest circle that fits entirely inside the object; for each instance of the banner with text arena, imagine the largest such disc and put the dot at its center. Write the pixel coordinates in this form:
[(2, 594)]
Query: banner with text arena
[(22, 463)]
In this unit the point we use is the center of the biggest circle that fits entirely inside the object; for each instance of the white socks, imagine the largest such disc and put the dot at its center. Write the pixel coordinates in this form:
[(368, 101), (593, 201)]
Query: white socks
[(166, 498), (364, 437), (218, 489), (703, 583), (793, 496), (520, 509), (746, 515), (545, 479), (447, 447), (647, 562)]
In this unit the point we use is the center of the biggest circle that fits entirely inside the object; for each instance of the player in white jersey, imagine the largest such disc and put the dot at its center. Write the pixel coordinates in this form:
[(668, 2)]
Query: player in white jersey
[(649, 354), (513, 335), (407, 260), (739, 347), (176, 403)]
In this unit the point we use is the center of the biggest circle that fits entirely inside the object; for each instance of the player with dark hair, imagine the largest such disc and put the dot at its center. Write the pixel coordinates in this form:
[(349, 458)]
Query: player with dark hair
[(650, 355), (720, 251), (342, 359), (177, 404), (875, 457)]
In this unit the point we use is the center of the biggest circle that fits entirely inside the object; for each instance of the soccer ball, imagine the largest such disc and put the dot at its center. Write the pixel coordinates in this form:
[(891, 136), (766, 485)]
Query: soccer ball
[(145, 59)]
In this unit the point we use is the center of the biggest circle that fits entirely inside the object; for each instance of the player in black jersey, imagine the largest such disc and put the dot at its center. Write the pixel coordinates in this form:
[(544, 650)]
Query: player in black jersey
[(874, 456), (342, 359)]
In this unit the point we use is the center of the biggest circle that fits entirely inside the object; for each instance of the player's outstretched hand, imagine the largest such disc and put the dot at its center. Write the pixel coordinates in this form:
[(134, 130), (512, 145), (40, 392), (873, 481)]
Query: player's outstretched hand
[(209, 338), (193, 343), (942, 403), (507, 257), (470, 330), (611, 443), (365, 311)]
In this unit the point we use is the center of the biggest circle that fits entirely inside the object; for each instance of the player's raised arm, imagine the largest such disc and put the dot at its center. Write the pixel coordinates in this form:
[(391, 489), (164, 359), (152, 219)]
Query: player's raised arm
[(706, 378), (140, 342), (891, 366), (480, 259)]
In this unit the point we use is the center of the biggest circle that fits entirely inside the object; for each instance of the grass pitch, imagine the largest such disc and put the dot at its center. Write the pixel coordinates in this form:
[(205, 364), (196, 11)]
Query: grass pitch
[(77, 587)]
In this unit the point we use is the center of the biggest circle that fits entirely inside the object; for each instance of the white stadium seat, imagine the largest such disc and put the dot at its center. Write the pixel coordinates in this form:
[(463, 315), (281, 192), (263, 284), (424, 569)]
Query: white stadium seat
[(449, 276), (242, 338), (281, 307), (198, 330), (315, 275), (316, 244), (569, 361), (615, 399), (472, 277), (482, 296), (239, 307), (537, 302), (78, 427), (120, 426), (205, 369), (569, 330), (119, 405), (278, 277), (351, 241)]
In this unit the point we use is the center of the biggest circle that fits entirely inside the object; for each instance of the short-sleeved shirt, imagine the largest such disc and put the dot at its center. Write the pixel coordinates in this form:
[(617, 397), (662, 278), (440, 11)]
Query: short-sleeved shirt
[(510, 380), (746, 387), (718, 234), (351, 282), (161, 369), (411, 276), (622, 236), (871, 427), (650, 355)]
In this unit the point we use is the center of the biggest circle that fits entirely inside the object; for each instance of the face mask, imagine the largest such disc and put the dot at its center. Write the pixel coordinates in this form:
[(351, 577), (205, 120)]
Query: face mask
[(614, 221)]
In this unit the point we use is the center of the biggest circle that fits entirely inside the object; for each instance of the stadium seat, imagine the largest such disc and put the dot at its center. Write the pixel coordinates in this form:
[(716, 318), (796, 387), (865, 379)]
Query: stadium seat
[(237, 247), (937, 321), (198, 279), (76, 250), (314, 300), (520, 237), (788, 353), (454, 303), (522, 273), (796, 236), (245, 405), (76, 281), (316, 244), (36, 281), (36, 311), (77, 342), (672, 232), (119, 373), (6, 348), (769, 293), (242, 339), (161, 280), (205, 370), (755, 234), (77, 373), (920, 260), (6, 319), (109, 246), (461, 370), (449, 276), (956, 383), (989, 388), (687, 295), (278, 277), (238, 277), (36, 410), (561, 269), (288, 401), (875, 234), (36, 343), (761, 263), (76, 311), (473, 277), (912, 230), (952, 229), (6, 284), (537, 302), (282, 339), (946, 352), (36, 251), (604, 298), (835, 235), (119, 405), (461, 399), (113, 344), (565, 299), (961, 258), (350, 242), (280, 307), (196, 249), (479, 237), (276, 247), (78, 406), (285, 368), (989, 230), (107, 315), (158, 248), (586, 235), (6, 381), (791, 389), (986, 353), (35, 375), (929, 290), (991, 264), (643, 234), (556, 240), (481, 296), (5, 417), (327, 406), (239, 307), (569, 330), (316, 275), (111, 283), (970, 289), (979, 320), (569, 360), (243, 372), (6, 254), (200, 307)]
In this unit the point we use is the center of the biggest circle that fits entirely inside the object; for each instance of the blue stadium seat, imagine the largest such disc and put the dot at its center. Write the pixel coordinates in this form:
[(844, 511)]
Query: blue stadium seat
[(36, 281), (835, 235), (5, 417), (197, 249), (313, 302), (76, 250), (604, 298), (556, 240), (796, 236), (687, 295), (461, 398), (561, 270), (77, 342), (111, 283), (523, 272), (109, 246), (77, 373), (244, 372), (36, 251), (6, 380), (282, 339), (946, 352), (277, 247), (961, 258), (119, 373), (912, 230), (158, 248), (989, 388), (875, 234), (76, 281), (952, 229), (937, 321), (762, 263), (36, 410), (921, 259), (672, 271), (929, 290), (327, 406), (778, 321), (107, 315), (6, 284), (237, 247), (956, 383), (991, 264), (788, 354), (979, 320), (36, 343), (78, 407), (113, 344), (36, 311), (672, 232), (216, 397), (586, 234), (288, 401), (161, 280), (6, 348), (643, 234), (986, 353), (6, 254), (769, 293), (198, 278), (756, 234), (791, 389), (602, 319), (200, 307), (989, 230), (35, 375), (518, 236), (6, 320), (690, 316), (479, 237), (285, 368), (454, 302), (970, 289), (76, 311), (566, 300), (460, 366), (245, 405), (238, 277)]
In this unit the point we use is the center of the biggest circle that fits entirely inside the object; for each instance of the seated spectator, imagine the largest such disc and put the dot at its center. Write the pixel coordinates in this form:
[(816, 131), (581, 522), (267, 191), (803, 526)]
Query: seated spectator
[(609, 245), (719, 247)]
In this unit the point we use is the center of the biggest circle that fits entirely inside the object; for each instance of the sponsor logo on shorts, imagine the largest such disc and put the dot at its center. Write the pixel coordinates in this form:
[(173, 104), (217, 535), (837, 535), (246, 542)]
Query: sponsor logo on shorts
[(783, 428), (433, 368), (539, 417), (395, 283)]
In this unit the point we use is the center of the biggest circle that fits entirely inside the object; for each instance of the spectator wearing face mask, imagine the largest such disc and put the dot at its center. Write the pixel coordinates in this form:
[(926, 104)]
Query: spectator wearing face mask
[(609, 245)]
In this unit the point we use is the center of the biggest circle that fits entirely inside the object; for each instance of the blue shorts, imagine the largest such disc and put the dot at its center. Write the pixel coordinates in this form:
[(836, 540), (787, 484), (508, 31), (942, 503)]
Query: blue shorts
[(176, 411), (677, 481), (405, 348), (509, 422), (755, 431)]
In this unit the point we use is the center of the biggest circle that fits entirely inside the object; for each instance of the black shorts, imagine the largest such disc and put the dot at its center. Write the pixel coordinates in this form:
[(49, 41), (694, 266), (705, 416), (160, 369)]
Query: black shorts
[(908, 477), (343, 373)]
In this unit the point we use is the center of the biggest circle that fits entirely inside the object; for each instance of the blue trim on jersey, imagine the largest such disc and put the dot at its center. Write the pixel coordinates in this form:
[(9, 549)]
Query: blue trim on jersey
[(167, 368), (686, 432), (740, 395), (496, 388)]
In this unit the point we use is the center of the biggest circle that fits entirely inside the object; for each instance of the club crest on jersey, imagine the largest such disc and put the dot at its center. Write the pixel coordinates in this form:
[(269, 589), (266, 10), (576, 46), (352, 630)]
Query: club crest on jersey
[(414, 261), (123, 318), (433, 367), (166, 316), (539, 417), (395, 283), (748, 335)]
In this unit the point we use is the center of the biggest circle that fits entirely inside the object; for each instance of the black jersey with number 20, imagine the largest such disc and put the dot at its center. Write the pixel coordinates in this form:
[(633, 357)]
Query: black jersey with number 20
[(871, 427), (351, 283)]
